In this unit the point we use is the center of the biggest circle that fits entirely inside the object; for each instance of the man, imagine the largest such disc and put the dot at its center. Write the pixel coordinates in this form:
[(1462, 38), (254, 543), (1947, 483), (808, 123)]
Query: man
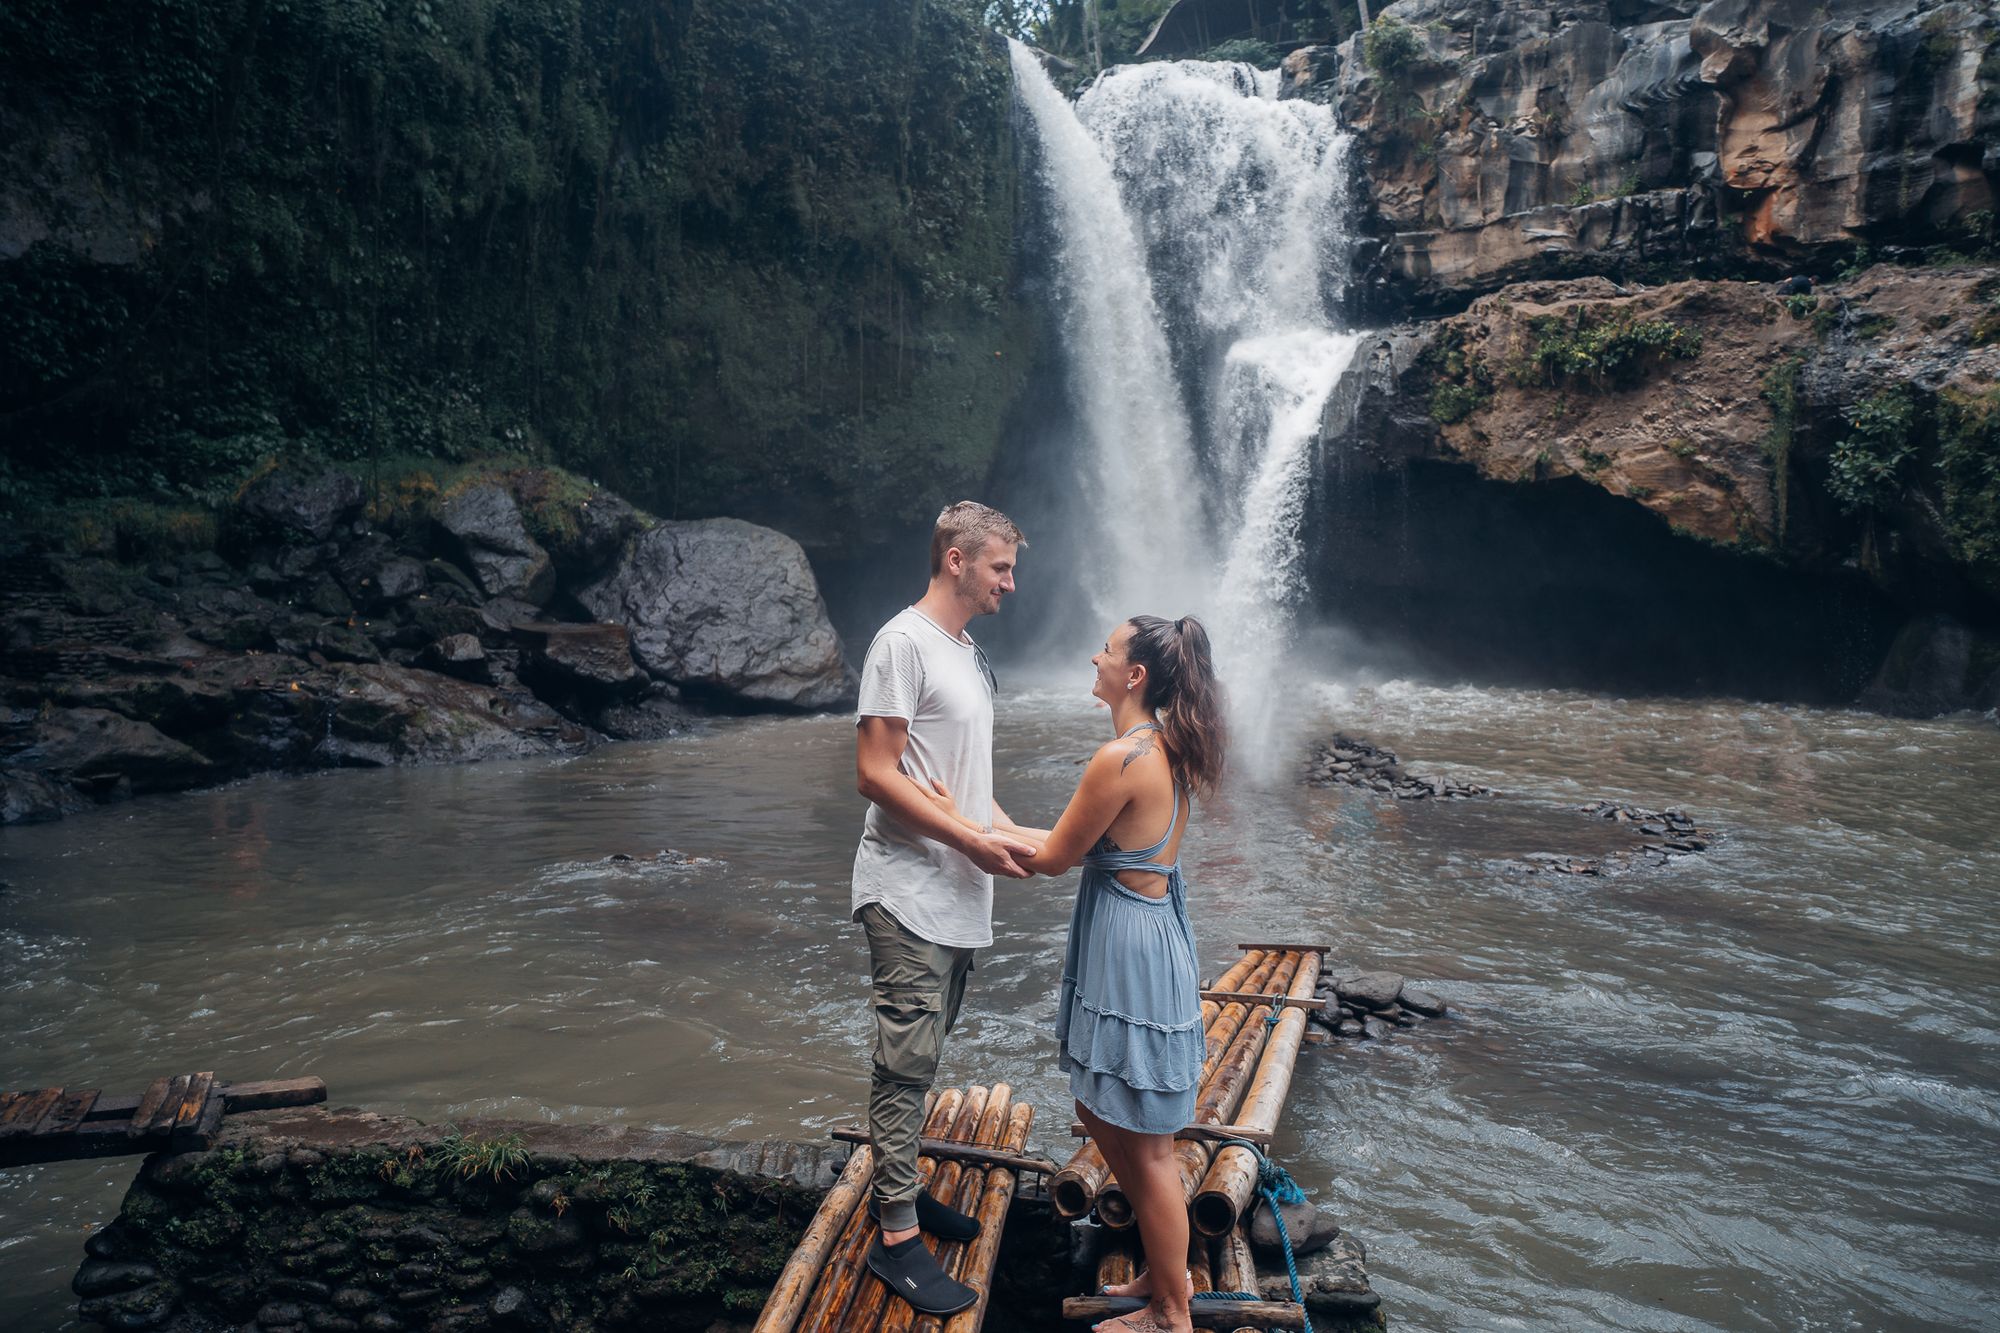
[(923, 882)]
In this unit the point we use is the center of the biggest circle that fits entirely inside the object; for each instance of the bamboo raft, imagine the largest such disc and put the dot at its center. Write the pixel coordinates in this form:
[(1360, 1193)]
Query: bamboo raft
[(1254, 1022), (177, 1113), (971, 1154)]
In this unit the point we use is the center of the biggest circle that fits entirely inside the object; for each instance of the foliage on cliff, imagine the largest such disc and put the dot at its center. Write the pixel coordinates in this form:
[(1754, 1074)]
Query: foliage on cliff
[(1856, 428), (744, 258)]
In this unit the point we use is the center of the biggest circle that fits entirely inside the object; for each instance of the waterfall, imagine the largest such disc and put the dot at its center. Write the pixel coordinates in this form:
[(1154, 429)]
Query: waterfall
[(1198, 251)]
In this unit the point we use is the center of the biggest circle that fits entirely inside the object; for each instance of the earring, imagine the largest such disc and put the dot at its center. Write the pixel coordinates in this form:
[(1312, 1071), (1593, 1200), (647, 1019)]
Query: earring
[(1130, 683)]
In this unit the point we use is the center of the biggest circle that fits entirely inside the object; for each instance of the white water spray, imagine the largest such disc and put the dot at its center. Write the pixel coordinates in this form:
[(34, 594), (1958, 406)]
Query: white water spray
[(1198, 221)]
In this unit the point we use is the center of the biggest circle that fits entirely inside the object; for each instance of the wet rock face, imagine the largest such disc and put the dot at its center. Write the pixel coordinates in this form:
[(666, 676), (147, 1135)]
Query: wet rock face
[(1513, 141), (429, 639), (730, 608), (486, 524), (1838, 429)]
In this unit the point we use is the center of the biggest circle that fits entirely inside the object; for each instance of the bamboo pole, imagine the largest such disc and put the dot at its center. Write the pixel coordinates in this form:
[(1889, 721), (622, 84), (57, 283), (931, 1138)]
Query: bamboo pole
[(962, 1193), (1226, 1190), (1198, 1270), (1073, 1190), (1227, 1079), (871, 1294), (1235, 1270), (795, 1283), (835, 1290), (1118, 1264), (1250, 1314), (979, 1256)]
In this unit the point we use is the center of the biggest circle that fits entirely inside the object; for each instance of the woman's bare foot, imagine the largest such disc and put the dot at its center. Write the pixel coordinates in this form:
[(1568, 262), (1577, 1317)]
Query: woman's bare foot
[(1149, 1320), (1141, 1287)]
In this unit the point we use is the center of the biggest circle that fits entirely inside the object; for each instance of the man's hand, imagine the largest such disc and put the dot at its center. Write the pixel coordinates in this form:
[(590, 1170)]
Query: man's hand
[(995, 852)]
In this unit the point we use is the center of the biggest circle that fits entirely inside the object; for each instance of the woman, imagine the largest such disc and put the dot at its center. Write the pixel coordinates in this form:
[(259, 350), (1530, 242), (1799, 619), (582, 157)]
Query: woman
[(1130, 1021)]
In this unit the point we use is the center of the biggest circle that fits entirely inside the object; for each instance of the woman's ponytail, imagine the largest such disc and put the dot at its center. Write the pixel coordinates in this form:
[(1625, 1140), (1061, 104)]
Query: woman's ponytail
[(1181, 687)]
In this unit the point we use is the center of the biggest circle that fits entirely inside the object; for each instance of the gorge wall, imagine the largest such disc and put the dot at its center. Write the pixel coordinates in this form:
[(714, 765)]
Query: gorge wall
[(744, 259), (1707, 481)]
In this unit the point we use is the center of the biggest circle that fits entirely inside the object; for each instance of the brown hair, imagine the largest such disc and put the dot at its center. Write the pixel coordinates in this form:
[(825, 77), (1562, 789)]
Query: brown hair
[(968, 525), (1181, 687)]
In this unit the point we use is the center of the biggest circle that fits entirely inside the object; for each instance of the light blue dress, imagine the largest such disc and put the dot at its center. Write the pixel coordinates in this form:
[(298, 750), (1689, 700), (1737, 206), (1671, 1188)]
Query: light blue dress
[(1129, 1024)]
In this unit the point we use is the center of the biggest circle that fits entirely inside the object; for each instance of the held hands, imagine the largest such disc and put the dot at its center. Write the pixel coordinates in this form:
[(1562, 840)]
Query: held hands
[(990, 851)]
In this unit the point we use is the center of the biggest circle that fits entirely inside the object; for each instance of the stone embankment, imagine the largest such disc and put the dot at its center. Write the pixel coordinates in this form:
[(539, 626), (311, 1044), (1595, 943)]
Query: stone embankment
[(350, 1222), (518, 613)]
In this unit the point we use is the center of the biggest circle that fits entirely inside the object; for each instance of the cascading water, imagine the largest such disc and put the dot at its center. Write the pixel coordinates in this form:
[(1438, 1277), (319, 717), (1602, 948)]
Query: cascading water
[(1198, 254)]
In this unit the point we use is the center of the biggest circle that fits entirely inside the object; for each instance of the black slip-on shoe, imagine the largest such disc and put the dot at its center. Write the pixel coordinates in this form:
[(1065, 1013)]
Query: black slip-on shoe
[(937, 1217), (911, 1271)]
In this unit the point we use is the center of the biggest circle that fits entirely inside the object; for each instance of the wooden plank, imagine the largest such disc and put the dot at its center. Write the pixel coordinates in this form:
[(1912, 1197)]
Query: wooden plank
[(193, 1099), (158, 1093), (1246, 997), (69, 1112), (957, 1152), (200, 1115), (11, 1102), (1200, 1133), (271, 1094), (119, 1108), (24, 1110), (1205, 1310)]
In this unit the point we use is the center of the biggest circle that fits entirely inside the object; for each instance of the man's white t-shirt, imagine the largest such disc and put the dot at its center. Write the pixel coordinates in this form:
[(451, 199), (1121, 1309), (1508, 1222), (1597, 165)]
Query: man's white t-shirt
[(932, 681)]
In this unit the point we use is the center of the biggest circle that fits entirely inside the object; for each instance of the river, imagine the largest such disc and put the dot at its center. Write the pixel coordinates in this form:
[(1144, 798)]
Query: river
[(1758, 1088)]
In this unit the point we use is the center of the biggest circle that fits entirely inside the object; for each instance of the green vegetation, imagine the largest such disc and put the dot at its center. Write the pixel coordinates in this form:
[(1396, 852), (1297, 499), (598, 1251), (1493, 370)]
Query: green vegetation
[(1244, 50), (1582, 195), (500, 1159), (1801, 304), (1968, 433), (747, 258), (1781, 391), (1866, 467), (1393, 49), (1611, 353), (1461, 382)]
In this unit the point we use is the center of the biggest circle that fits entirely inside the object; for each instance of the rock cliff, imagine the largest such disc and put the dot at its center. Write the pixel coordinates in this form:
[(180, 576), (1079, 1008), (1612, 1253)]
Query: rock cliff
[(1502, 141), (1847, 433)]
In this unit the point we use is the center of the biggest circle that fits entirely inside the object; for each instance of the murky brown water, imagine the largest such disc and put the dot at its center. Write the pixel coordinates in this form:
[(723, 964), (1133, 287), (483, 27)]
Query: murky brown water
[(1758, 1089)]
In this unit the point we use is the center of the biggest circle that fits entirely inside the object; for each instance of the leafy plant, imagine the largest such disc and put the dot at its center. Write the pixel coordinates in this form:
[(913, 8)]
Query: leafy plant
[(1392, 49), (1613, 351), (499, 1159), (1865, 468)]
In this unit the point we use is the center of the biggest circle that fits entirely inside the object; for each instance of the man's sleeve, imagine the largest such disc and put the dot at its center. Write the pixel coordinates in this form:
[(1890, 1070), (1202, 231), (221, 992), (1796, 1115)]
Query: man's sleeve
[(892, 679)]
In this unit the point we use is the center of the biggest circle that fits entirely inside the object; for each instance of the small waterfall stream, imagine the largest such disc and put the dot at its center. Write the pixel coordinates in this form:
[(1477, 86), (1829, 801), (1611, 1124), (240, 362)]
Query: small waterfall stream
[(1197, 259)]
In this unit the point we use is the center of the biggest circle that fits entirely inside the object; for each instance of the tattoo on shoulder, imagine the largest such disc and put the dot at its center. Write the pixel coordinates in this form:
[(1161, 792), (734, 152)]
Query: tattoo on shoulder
[(1142, 746)]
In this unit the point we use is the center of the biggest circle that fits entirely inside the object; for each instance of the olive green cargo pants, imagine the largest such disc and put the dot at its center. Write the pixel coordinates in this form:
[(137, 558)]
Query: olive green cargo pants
[(918, 988)]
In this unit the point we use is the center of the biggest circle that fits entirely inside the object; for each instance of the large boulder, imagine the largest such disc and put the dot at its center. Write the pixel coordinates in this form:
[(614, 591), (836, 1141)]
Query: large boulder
[(102, 752), (486, 525), (1936, 665), (301, 506), (728, 608)]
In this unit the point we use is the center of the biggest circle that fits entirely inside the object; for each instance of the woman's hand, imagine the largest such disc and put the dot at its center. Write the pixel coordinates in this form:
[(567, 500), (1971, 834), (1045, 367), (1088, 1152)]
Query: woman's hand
[(941, 800)]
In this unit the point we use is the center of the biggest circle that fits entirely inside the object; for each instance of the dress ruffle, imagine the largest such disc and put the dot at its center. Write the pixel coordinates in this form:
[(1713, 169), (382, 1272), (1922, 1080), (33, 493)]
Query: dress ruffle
[(1130, 1018)]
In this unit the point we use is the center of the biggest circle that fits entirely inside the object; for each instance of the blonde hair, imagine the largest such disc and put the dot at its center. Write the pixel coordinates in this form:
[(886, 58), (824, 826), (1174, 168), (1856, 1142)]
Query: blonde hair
[(969, 525)]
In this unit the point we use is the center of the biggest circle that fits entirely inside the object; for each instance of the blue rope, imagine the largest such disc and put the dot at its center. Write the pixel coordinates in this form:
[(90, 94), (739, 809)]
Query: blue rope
[(1277, 1186)]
